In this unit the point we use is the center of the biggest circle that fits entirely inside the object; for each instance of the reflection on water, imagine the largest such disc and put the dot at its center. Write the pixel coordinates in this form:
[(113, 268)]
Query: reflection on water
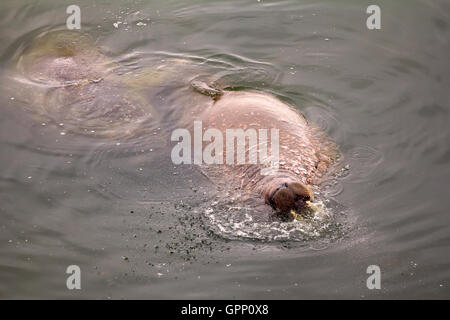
[(86, 176)]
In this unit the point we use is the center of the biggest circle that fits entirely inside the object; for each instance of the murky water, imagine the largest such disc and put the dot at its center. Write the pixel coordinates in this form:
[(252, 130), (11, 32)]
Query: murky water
[(76, 190)]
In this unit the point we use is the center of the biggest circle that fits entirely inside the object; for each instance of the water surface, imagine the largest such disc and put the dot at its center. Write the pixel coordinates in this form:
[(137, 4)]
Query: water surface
[(139, 227)]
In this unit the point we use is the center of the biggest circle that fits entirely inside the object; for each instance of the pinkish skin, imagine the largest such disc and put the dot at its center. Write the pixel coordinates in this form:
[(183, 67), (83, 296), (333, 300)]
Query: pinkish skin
[(304, 154)]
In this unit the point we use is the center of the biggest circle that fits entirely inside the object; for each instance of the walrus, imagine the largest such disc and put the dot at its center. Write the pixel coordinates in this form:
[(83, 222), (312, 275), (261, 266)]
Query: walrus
[(305, 153), (65, 76)]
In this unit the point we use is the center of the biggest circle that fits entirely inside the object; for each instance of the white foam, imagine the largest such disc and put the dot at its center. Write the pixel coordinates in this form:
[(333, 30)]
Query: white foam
[(233, 219)]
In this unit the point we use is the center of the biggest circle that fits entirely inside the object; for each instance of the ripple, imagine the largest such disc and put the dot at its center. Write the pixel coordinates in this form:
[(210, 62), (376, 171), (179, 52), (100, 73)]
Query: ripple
[(363, 162), (332, 187), (324, 119)]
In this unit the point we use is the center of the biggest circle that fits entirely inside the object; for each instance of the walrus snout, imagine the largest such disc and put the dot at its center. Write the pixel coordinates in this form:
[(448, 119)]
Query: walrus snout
[(289, 196)]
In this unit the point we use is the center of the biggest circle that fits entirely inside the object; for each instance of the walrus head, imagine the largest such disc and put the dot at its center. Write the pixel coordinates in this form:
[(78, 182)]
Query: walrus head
[(289, 196)]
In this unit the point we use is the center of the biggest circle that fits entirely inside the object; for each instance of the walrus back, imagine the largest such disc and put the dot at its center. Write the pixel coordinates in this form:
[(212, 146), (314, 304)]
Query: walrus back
[(304, 149)]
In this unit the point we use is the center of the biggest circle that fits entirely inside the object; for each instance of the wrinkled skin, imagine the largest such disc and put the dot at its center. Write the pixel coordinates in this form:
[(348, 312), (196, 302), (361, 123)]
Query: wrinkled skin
[(305, 154)]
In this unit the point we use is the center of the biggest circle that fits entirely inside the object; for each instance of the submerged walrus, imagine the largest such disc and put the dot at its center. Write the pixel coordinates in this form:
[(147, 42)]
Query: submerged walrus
[(63, 77), (79, 82)]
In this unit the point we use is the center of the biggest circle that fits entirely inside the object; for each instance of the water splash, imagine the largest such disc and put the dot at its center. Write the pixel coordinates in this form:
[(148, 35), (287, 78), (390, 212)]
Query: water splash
[(242, 217)]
